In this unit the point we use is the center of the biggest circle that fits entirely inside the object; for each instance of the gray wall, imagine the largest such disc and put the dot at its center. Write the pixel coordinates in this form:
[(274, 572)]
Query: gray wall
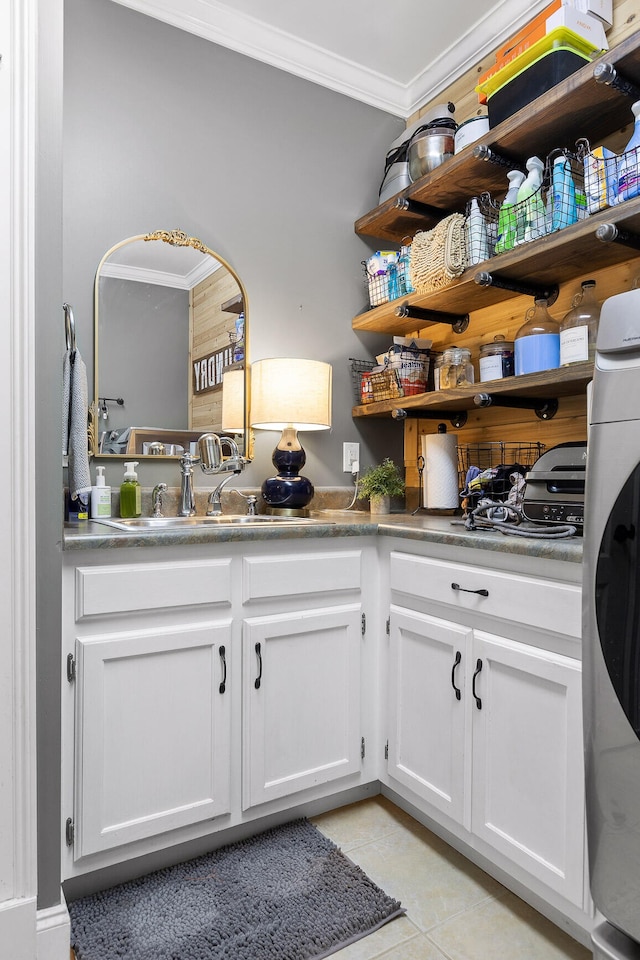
[(163, 129)]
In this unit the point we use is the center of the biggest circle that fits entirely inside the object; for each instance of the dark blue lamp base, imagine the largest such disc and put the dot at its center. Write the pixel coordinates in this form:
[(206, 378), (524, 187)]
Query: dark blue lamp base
[(287, 490)]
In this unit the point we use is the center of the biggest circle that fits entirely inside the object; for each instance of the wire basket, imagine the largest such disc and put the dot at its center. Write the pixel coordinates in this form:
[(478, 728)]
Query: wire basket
[(481, 228), (558, 202), (361, 381), (386, 384), (496, 461)]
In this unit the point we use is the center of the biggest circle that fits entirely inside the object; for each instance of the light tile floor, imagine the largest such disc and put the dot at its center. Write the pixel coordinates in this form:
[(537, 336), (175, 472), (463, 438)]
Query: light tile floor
[(455, 911)]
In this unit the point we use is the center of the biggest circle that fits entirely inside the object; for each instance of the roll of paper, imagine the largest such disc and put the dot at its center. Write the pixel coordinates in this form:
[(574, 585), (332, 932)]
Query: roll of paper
[(440, 478)]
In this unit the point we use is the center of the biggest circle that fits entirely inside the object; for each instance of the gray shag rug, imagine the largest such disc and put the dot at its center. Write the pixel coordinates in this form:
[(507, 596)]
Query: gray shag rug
[(287, 894)]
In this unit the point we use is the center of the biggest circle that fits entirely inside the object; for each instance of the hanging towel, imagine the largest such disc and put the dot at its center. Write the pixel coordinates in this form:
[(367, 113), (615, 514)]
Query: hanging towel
[(75, 415)]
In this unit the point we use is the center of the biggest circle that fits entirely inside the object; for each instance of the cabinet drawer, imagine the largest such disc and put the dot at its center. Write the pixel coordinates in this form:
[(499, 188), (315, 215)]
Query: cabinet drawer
[(151, 586), (306, 573), (546, 604)]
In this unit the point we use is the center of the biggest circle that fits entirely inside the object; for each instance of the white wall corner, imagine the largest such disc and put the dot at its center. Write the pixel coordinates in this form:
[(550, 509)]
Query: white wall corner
[(53, 933)]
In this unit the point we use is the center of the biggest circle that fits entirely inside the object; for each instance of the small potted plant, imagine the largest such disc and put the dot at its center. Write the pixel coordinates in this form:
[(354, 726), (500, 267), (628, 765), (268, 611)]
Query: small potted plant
[(379, 484)]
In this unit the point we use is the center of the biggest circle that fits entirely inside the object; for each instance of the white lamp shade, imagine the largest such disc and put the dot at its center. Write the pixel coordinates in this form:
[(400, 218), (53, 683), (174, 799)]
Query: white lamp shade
[(233, 401), (291, 393)]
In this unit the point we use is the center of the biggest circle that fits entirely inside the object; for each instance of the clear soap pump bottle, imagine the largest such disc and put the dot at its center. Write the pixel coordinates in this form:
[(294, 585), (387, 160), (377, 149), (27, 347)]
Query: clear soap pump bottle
[(130, 492), (579, 328)]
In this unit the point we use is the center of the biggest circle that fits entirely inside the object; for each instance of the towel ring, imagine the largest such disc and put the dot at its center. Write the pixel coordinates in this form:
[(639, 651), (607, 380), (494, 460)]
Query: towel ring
[(69, 327)]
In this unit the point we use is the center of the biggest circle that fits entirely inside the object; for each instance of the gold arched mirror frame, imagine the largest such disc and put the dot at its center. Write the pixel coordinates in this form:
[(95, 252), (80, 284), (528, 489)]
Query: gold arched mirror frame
[(148, 368)]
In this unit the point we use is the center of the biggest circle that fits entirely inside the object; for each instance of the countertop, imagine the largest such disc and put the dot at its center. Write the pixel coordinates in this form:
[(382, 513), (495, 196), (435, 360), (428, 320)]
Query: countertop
[(90, 535)]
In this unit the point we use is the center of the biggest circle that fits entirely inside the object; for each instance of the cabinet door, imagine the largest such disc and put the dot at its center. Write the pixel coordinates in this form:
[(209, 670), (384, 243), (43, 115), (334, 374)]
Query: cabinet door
[(427, 707), (527, 795), (302, 701), (152, 733)]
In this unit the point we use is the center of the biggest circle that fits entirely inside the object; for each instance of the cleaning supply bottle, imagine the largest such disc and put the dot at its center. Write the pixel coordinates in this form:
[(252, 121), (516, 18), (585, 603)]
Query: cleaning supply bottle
[(130, 492), (477, 237), (629, 162), (579, 328), (537, 342), (404, 280), (531, 212), (565, 208), (100, 497), (507, 220)]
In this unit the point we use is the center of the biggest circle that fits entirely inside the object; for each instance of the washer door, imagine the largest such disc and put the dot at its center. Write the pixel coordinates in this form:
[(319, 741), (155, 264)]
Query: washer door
[(611, 662), (617, 599)]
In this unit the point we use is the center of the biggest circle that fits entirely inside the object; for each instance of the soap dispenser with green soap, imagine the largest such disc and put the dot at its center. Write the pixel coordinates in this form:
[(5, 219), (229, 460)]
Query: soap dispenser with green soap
[(130, 492)]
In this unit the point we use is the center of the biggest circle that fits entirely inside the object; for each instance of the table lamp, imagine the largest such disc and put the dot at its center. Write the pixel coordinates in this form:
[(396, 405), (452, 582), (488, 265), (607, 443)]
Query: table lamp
[(290, 395), (233, 401)]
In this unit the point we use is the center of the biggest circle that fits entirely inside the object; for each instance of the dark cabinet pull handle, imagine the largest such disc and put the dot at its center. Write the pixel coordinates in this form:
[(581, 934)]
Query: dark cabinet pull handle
[(259, 677), (473, 685), (481, 593), (453, 674), (223, 661)]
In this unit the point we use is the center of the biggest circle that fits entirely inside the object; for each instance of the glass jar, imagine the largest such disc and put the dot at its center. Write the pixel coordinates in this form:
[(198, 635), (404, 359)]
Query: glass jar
[(537, 342), (496, 359), (457, 369), (437, 359), (579, 328)]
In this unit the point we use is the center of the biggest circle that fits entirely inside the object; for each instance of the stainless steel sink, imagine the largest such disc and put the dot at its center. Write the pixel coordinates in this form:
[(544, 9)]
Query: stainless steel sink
[(190, 523)]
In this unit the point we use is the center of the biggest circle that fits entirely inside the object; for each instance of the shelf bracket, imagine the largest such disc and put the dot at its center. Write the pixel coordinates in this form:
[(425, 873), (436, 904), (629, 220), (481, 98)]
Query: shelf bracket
[(606, 73), (457, 418), (407, 205), (610, 233), (458, 321), (489, 155), (538, 292), (543, 409)]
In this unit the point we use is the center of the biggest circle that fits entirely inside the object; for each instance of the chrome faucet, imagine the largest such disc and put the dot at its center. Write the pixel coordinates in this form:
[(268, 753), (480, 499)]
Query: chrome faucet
[(187, 499), (210, 459), (233, 465)]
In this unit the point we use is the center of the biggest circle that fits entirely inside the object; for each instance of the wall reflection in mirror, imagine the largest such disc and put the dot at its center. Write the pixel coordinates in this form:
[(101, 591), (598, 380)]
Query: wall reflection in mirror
[(170, 339)]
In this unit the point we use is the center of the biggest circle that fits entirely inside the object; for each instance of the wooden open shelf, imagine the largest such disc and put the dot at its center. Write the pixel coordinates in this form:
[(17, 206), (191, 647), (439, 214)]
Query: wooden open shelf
[(553, 259), (550, 384), (576, 107)]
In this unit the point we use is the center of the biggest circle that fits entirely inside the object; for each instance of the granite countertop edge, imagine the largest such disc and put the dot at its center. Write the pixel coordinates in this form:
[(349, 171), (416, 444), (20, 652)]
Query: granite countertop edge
[(328, 524)]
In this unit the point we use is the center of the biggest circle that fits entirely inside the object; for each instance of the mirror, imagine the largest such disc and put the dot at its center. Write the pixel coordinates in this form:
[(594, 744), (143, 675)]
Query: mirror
[(170, 348)]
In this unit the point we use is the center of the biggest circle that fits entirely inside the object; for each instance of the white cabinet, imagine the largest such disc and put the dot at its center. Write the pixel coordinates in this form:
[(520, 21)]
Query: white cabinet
[(302, 679), (484, 728), (167, 733), (527, 794), (152, 733), (426, 750), (147, 703)]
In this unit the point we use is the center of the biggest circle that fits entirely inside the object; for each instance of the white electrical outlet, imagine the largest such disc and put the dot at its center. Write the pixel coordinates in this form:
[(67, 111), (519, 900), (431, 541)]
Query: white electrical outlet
[(350, 453)]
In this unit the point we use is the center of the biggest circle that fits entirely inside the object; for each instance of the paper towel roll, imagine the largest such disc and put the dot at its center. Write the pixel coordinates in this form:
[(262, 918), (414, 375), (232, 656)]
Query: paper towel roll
[(440, 478)]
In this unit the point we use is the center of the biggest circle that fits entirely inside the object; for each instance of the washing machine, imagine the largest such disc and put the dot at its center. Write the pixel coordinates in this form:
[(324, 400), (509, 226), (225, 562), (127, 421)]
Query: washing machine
[(611, 631)]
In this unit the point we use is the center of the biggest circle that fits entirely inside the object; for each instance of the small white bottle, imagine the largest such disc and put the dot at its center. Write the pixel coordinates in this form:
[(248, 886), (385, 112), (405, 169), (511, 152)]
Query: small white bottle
[(477, 237), (100, 497)]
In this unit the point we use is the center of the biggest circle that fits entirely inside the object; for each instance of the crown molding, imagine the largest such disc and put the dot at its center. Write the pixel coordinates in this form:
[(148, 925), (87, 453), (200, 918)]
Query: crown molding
[(218, 22), (161, 278)]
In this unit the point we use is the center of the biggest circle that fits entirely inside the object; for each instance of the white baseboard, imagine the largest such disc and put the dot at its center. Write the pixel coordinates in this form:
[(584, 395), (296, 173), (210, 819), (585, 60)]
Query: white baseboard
[(53, 933), (17, 929)]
